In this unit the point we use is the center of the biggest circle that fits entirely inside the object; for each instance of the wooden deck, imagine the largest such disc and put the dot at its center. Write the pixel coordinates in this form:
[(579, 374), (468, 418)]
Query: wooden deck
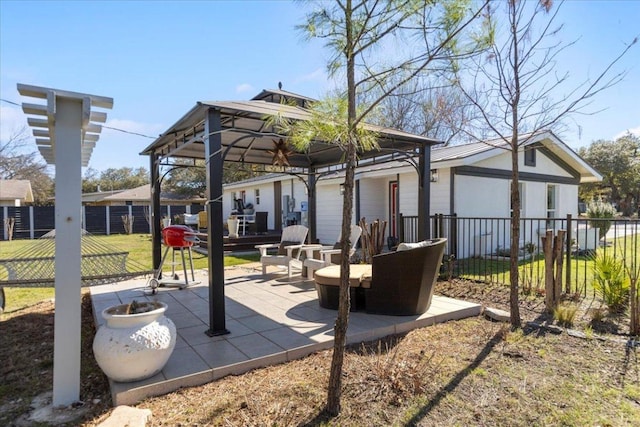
[(245, 243)]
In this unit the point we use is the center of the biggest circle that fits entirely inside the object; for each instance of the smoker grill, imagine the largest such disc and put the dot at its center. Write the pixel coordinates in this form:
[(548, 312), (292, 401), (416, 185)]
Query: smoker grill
[(175, 238)]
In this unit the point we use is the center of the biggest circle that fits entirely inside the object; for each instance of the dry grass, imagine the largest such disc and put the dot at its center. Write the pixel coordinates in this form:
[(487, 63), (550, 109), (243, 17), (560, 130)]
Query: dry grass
[(26, 360), (471, 372)]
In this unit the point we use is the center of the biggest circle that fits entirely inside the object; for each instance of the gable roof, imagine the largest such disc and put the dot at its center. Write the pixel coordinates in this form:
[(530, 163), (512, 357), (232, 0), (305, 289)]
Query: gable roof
[(137, 194), (468, 154), (142, 193), (13, 189)]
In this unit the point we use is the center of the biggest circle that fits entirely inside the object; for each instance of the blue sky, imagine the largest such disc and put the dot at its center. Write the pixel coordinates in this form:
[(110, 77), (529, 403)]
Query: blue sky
[(156, 59)]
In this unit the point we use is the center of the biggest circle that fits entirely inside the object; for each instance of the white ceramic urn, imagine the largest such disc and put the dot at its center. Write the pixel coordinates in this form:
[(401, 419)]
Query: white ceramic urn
[(132, 347)]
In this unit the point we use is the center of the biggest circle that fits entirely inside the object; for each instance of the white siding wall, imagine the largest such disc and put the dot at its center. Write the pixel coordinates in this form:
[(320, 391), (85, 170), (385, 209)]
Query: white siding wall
[(490, 197), (535, 200), (481, 197), (544, 165), (374, 194), (440, 200), (266, 202), (568, 203), (328, 212), (409, 194)]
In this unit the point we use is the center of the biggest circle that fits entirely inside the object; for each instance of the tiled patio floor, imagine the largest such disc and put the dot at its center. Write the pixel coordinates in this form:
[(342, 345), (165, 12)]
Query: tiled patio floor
[(271, 319)]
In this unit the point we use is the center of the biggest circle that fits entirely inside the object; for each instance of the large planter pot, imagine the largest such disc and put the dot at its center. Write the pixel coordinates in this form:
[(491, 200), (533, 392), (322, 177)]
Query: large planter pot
[(233, 224), (132, 347)]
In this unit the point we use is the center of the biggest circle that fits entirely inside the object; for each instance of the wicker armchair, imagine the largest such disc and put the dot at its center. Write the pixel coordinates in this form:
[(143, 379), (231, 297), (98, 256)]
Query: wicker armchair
[(402, 282)]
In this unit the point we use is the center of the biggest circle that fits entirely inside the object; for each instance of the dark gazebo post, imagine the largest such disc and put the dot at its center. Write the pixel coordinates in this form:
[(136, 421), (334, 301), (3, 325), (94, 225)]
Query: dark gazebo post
[(311, 199), (424, 193), (156, 237), (215, 244)]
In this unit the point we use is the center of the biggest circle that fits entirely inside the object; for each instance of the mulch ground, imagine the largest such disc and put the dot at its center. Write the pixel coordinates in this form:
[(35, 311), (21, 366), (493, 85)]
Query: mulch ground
[(469, 372)]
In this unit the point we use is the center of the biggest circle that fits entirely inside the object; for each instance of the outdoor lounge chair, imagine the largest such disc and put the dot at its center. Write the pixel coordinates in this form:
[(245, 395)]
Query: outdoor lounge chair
[(323, 256), (402, 282), (289, 249), (399, 283)]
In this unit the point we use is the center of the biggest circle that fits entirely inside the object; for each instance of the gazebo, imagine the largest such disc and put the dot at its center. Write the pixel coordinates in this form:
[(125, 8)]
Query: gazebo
[(238, 131)]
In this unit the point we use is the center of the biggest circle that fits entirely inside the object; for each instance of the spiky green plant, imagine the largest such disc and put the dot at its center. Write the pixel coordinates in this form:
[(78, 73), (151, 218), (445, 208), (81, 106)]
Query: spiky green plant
[(610, 281)]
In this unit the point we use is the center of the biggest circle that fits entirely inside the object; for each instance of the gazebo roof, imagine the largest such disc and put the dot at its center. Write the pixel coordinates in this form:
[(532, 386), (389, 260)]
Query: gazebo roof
[(246, 137)]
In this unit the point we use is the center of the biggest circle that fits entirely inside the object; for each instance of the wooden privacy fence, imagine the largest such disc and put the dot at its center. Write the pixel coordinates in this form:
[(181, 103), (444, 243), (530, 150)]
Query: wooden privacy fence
[(479, 248), (32, 222)]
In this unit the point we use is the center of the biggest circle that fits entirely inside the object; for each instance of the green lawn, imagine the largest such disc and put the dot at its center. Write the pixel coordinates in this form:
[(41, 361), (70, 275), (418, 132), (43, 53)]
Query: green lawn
[(139, 258)]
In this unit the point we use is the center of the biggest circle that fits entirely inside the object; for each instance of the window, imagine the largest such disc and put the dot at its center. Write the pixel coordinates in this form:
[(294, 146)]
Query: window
[(257, 196), (529, 156), (552, 196)]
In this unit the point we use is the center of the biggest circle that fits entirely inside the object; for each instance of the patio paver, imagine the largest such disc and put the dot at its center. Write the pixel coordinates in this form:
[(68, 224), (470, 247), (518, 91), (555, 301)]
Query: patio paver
[(271, 320)]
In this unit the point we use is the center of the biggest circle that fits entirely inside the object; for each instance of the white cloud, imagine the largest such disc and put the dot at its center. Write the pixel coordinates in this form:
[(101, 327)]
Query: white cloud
[(633, 131), (316, 75), (244, 87)]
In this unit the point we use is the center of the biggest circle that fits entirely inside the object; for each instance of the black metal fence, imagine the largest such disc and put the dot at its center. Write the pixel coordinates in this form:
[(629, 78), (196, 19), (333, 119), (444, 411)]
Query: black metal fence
[(479, 248), (32, 222)]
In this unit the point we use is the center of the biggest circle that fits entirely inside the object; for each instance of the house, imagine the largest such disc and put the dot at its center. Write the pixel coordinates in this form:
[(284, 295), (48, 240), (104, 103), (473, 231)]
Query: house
[(136, 197), (15, 192), (469, 180)]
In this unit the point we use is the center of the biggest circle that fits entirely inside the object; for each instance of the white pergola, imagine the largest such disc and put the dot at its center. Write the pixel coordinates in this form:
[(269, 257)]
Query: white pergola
[(66, 131)]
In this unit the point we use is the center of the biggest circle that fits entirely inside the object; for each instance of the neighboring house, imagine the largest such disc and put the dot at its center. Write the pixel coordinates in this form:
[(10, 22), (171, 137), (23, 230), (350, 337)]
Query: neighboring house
[(470, 180), (15, 192), (136, 197)]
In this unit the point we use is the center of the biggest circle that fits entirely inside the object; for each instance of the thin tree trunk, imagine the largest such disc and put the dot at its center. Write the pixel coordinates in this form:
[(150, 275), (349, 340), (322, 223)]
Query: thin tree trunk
[(634, 310), (515, 190), (558, 251), (334, 391), (514, 304), (547, 244)]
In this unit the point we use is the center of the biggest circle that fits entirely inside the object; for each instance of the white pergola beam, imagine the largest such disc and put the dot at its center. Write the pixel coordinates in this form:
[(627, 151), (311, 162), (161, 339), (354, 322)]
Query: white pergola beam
[(98, 117), (91, 137), (37, 123), (67, 142), (42, 93), (93, 128), (36, 109)]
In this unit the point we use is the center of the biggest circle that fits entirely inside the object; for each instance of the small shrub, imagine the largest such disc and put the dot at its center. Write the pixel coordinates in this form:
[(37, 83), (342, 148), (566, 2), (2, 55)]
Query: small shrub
[(601, 213), (530, 248), (588, 332), (598, 314), (565, 314), (610, 281)]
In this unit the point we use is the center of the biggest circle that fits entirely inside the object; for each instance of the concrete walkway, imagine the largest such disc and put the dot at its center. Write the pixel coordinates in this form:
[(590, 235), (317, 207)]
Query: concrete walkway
[(272, 320)]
